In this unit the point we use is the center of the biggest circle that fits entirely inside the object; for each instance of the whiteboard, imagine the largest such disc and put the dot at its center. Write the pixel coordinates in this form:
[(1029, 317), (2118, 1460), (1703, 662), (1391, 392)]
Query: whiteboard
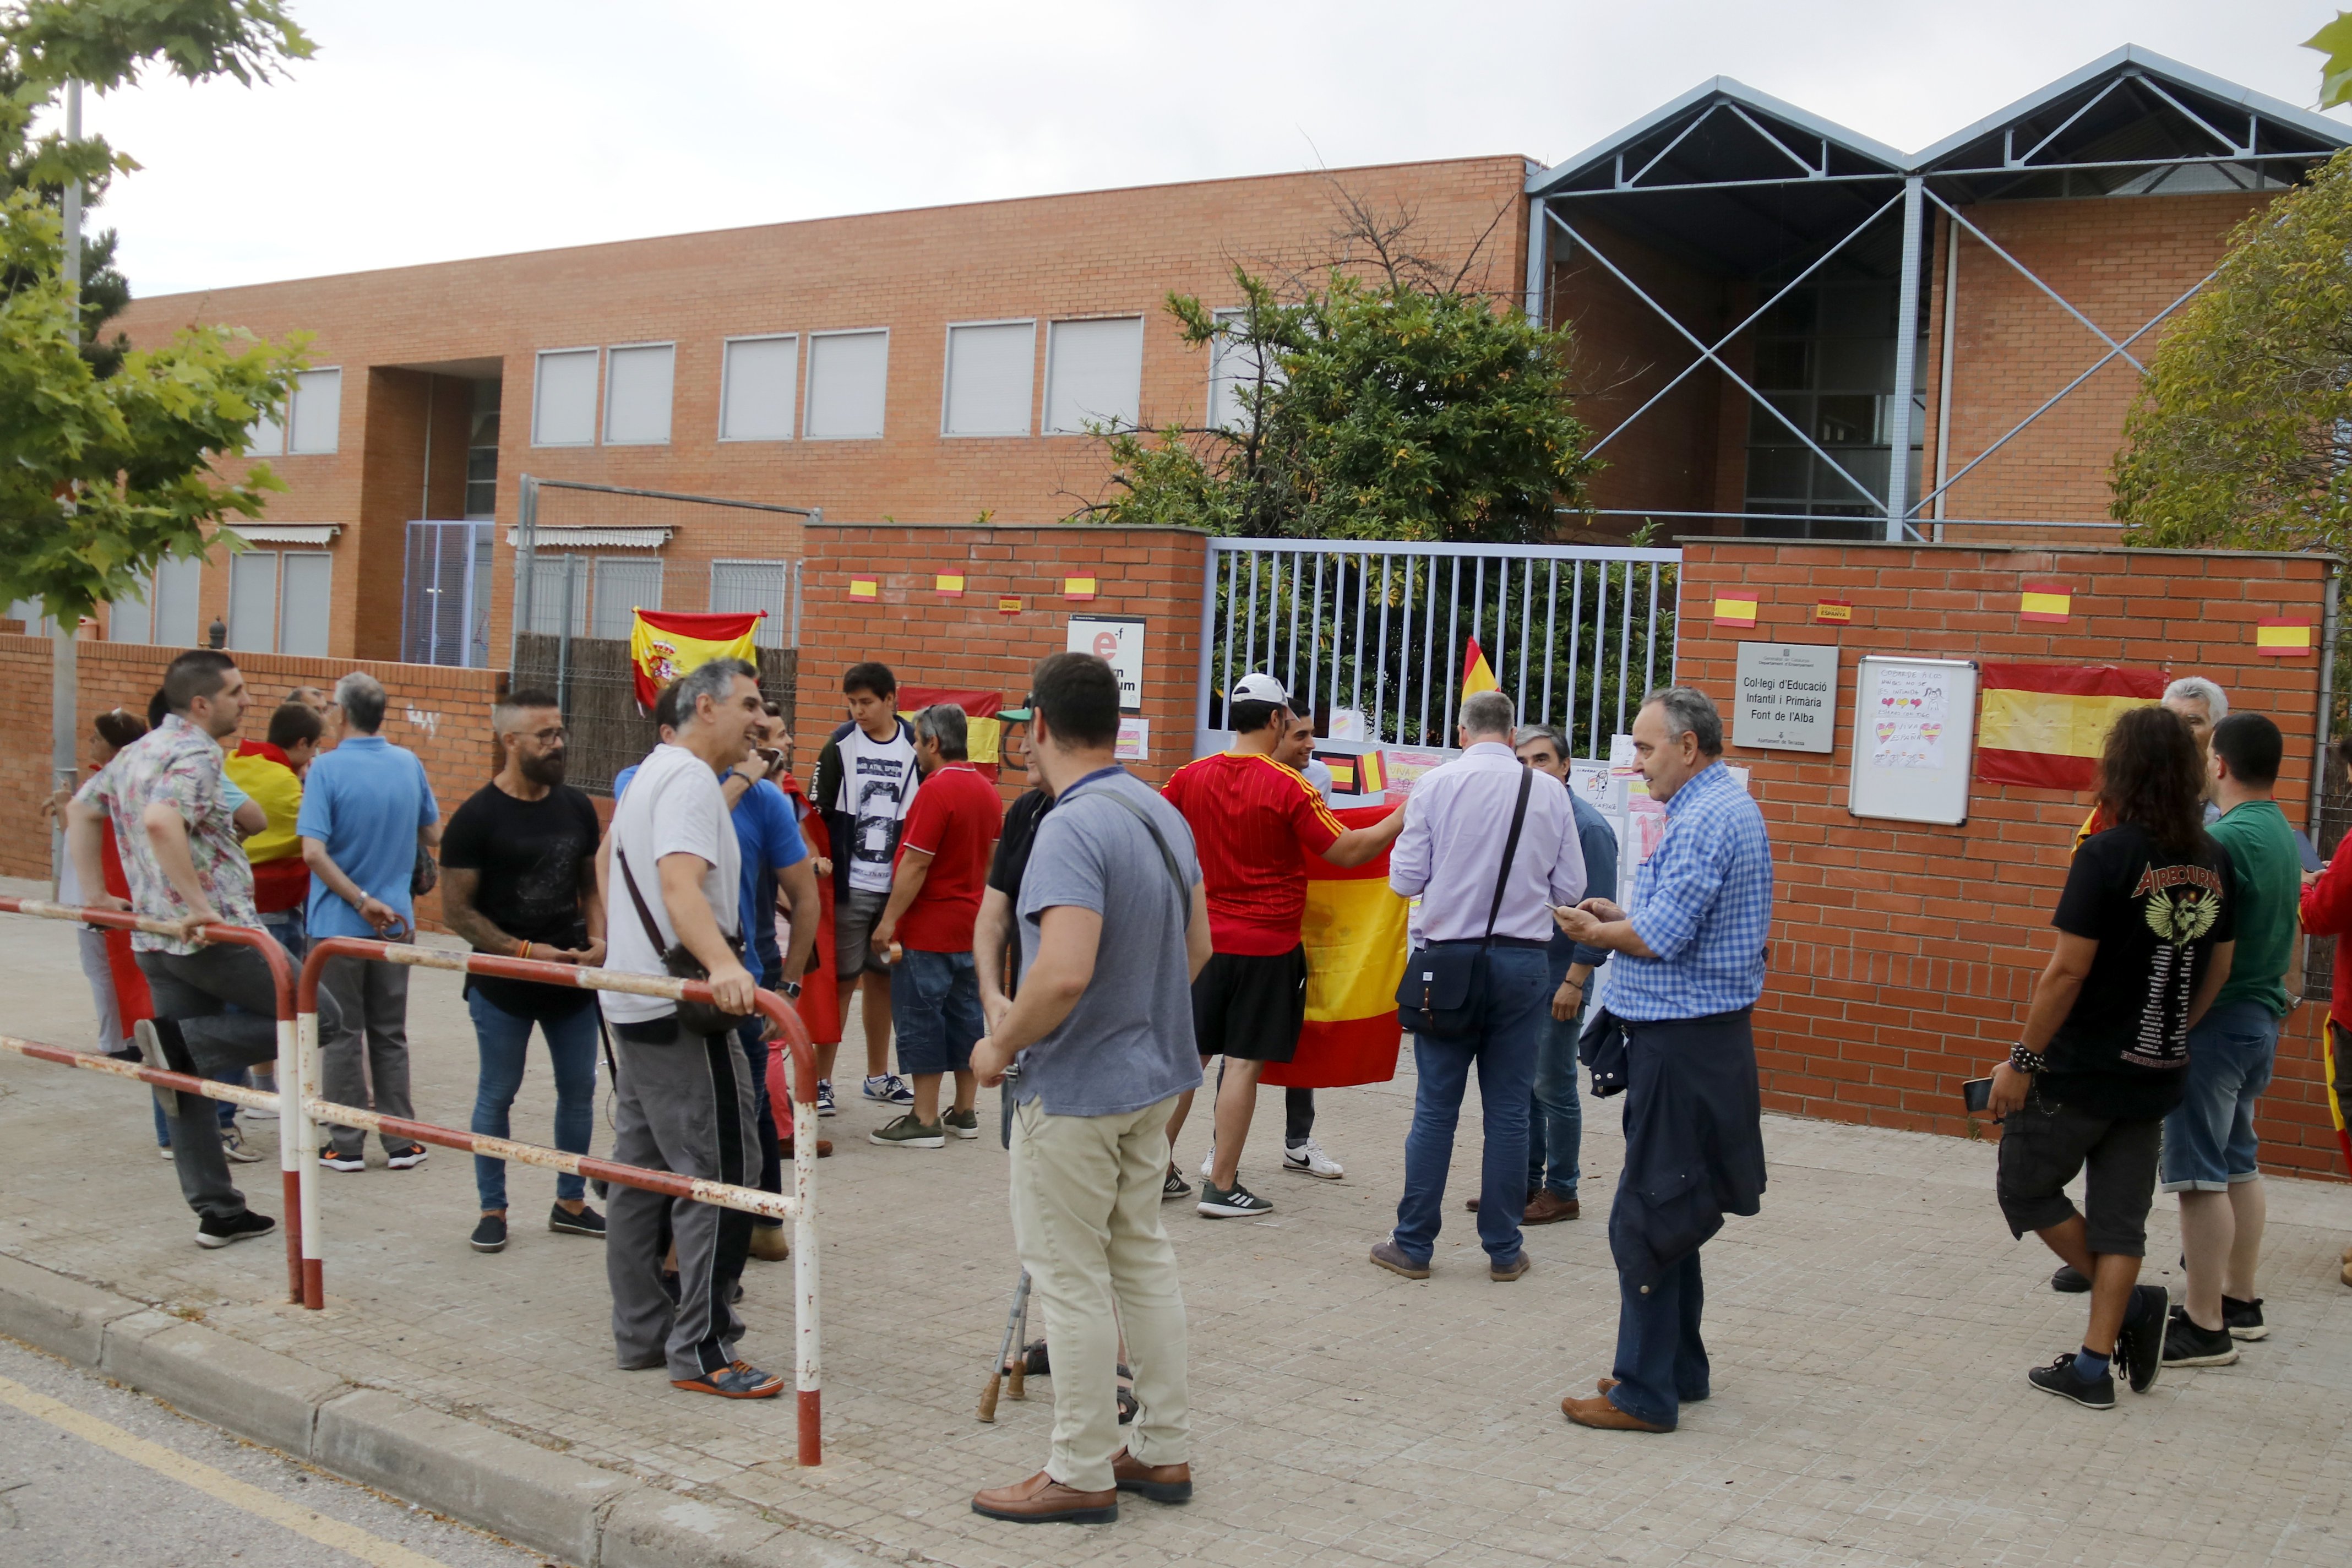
[(1914, 722)]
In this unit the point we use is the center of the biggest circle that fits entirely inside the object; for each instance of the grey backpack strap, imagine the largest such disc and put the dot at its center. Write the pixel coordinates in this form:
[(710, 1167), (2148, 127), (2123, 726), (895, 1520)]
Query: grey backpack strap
[(1167, 855)]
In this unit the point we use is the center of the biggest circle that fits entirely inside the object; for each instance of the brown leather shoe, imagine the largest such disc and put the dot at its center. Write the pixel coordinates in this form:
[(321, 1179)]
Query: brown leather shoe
[(1470, 1204), (1161, 1483), (770, 1244), (823, 1148), (1042, 1499), (1504, 1273), (1387, 1254), (1601, 1414), (1548, 1207)]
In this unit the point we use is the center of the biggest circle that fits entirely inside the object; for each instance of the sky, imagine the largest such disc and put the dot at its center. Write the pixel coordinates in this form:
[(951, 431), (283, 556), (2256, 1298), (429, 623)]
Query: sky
[(429, 130)]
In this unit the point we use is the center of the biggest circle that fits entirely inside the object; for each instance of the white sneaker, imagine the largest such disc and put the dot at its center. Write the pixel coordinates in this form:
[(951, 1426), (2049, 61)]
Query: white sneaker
[(1309, 1160), (1209, 1163), (889, 1089), (234, 1145)]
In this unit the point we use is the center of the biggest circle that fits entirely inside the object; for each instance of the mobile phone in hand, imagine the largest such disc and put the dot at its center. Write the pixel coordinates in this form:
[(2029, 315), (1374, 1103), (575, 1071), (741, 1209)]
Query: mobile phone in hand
[(1977, 1094)]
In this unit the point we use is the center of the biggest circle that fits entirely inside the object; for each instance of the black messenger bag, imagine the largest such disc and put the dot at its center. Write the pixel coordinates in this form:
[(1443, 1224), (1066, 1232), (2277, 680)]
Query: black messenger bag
[(1443, 981)]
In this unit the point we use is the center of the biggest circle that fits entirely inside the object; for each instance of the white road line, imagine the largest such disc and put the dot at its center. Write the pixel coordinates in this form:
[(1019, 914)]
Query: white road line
[(213, 1483)]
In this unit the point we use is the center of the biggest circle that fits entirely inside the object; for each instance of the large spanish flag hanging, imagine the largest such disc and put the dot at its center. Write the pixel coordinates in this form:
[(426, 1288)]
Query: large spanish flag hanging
[(1354, 938), (1477, 675), (663, 645), (2044, 724)]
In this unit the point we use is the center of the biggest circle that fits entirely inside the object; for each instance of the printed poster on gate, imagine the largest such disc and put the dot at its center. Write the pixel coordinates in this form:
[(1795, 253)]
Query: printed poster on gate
[(1118, 641)]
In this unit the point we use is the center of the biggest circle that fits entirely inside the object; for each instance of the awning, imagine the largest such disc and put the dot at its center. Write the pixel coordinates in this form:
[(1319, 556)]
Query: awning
[(576, 538), (285, 533)]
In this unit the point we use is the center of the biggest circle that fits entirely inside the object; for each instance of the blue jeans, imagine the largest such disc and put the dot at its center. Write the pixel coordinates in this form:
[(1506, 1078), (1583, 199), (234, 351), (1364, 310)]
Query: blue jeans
[(935, 1008), (1661, 1360), (1556, 1117), (2209, 1139), (751, 1036), (1502, 1046), (504, 1040), (285, 925), (242, 1077)]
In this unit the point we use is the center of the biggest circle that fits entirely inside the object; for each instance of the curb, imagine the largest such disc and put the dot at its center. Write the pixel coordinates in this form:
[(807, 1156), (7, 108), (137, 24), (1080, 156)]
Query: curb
[(588, 1516)]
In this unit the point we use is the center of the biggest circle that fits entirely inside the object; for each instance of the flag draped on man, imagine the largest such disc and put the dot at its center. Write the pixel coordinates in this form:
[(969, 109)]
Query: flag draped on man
[(2045, 724), (1477, 675), (664, 645), (1354, 931)]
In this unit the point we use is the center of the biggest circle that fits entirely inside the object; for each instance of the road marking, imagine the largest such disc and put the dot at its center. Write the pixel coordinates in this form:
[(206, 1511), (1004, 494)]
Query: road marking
[(214, 1484)]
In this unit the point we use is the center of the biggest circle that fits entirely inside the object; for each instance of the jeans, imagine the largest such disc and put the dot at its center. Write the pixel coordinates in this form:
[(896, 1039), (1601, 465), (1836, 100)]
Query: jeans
[(935, 1009), (2209, 1139), (503, 1039), (1661, 1360), (751, 1037), (1502, 1045), (1297, 1115), (287, 926), (242, 1077), (1556, 1117)]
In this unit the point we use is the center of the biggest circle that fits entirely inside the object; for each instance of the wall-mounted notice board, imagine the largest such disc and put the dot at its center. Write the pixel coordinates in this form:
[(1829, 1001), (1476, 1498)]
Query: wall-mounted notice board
[(1914, 738)]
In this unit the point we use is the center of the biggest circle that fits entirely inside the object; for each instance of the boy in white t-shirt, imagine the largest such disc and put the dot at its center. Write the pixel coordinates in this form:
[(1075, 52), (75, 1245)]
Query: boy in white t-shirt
[(866, 781)]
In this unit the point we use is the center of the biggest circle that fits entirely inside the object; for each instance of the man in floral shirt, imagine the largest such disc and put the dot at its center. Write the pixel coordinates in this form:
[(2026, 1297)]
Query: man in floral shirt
[(186, 867)]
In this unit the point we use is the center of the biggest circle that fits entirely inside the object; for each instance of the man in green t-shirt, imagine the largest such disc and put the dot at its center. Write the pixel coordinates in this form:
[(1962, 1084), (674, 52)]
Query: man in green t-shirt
[(2209, 1139)]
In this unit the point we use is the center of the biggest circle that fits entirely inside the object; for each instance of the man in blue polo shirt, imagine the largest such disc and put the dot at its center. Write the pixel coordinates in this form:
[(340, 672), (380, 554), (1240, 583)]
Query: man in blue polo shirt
[(368, 813)]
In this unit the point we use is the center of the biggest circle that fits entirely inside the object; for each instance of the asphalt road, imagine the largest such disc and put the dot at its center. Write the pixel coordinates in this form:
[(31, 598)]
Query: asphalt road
[(93, 1476)]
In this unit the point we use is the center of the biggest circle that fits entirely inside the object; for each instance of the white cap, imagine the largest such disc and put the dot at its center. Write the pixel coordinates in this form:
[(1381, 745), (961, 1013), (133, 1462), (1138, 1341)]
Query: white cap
[(1260, 687)]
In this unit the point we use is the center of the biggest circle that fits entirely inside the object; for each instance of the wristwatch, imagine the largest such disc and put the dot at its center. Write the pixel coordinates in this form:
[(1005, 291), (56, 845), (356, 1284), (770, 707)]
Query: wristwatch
[(791, 990)]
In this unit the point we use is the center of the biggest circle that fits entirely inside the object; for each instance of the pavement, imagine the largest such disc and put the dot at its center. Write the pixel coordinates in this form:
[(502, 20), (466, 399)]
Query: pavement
[(1870, 1331)]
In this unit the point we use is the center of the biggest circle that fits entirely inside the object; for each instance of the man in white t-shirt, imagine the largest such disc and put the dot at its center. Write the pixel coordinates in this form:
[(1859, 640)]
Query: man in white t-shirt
[(866, 781), (683, 1101)]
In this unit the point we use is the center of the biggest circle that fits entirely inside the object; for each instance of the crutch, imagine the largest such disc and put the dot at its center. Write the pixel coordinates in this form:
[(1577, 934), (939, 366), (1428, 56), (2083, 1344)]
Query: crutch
[(1014, 1322)]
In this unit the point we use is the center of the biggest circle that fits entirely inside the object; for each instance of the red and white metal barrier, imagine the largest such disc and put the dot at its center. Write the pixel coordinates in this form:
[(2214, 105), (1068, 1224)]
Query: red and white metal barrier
[(798, 1205)]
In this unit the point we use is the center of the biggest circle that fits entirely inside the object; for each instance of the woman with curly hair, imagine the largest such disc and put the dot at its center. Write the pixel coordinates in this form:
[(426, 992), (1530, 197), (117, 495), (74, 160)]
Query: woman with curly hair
[(2146, 932)]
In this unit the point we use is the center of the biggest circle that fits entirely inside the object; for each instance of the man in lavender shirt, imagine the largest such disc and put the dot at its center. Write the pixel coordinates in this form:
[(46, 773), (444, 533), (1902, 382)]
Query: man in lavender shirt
[(1450, 853)]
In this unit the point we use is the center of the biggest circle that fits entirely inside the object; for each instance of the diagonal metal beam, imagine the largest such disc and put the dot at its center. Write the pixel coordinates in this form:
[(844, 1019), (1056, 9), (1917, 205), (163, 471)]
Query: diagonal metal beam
[(1820, 262), (1696, 120), (2104, 361), (2099, 98), (2194, 117), (1730, 374), (2028, 274), (1782, 147)]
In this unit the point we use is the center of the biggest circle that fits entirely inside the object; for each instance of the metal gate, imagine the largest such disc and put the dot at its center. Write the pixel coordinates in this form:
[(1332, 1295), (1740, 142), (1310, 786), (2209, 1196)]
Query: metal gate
[(445, 599), (1375, 634)]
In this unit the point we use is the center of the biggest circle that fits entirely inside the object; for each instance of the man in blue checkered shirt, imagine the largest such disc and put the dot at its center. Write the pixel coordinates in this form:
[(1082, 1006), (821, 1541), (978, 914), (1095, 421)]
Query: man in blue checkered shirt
[(1689, 966)]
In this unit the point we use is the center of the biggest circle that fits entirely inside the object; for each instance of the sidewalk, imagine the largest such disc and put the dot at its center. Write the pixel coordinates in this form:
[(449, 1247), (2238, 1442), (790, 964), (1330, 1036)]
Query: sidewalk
[(1870, 1330)]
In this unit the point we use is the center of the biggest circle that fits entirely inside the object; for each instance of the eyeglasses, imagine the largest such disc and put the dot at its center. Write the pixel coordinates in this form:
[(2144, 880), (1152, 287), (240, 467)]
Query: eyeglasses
[(549, 737)]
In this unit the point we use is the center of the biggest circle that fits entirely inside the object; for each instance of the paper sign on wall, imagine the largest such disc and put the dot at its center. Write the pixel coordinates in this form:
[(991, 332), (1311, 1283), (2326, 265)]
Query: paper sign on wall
[(1134, 741), (1118, 640), (1909, 719)]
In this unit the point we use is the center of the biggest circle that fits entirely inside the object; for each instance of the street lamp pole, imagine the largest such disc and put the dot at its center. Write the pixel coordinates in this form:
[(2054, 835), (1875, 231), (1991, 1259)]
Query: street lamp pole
[(64, 681)]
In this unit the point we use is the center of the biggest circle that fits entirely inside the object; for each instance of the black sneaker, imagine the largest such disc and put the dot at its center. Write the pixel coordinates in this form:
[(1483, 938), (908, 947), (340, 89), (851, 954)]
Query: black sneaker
[(215, 1233), (2244, 1318), (1175, 1186), (1236, 1202), (490, 1234), (2140, 1344), (2070, 1281), (2186, 1344), (148, 1033), (2060, 1379), (587, 1222)]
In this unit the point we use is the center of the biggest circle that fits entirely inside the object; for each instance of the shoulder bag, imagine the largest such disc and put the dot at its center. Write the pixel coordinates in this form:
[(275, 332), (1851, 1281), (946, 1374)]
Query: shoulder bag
[(1444, 980), (695, 1017)]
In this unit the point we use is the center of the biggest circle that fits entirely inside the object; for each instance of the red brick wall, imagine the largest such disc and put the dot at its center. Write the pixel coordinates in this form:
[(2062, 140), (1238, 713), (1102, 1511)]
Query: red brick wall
[(1903, 954), (968, 643)]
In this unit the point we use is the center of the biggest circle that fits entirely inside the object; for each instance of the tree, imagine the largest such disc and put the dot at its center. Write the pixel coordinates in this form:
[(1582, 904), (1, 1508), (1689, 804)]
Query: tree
[(2242, 436)]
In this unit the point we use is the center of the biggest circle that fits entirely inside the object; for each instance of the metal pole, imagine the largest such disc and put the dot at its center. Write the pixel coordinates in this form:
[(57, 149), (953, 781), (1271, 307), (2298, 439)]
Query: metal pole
[(1208, 648), (65, 674), (1537, 231), (1551, 624), (1906, 353), (1944, 375), (2322, 720), (526, 562)]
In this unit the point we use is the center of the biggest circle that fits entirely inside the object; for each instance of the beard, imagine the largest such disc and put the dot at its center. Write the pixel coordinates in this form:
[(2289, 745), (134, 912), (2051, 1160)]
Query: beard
[(545, 771)]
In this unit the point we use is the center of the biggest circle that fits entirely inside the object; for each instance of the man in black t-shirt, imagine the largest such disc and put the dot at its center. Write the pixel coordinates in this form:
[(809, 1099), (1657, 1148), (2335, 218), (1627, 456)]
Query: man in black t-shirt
[(2147, 930), (519, 879), (994, 932)]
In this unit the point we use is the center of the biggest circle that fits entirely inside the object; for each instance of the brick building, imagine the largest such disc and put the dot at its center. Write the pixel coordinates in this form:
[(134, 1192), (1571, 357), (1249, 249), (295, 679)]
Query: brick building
[(936, 366)]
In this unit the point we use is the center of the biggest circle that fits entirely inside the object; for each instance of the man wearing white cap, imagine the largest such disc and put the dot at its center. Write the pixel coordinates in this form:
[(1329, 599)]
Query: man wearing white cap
[(1252, 818)]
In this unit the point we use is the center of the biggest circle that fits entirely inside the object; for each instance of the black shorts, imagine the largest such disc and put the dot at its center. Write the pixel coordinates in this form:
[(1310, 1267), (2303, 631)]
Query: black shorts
[(1251, 1006), (2044, 1143)]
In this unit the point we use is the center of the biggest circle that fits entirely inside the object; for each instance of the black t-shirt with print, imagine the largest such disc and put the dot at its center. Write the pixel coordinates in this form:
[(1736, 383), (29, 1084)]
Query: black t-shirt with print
[(529, 854), (2122, 1050)]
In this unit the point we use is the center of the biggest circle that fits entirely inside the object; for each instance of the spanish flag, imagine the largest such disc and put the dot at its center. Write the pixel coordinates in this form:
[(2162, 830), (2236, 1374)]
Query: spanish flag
[(2044, 724), (664, 646), (1355, 937), (1477, 675)]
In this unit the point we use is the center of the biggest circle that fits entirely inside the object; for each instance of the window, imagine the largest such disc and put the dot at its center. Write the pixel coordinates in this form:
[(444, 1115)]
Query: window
[(482, 451), (740, 586), (177, 584), (564, 406), (757, 381), (1234, 366), (318, 411), (992, 370), (636, 395), (266, 437), (130, 618), (1094, 374), (253, 601), (847, 377), (559, 584), (277, 601), (624, 585)]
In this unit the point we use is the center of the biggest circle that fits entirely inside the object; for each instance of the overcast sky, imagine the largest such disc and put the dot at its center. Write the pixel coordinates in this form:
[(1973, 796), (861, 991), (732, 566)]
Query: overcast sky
[(432, 129)]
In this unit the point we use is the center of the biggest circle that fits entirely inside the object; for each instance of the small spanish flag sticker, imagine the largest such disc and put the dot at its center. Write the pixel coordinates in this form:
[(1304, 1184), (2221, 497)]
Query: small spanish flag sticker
[(1079, 588), (1008, 606), (1839, 611), (864, 588), (1371, 773), (947, 585), (2282, 639), (2045, 602), (1735, 609), (1343, 771)]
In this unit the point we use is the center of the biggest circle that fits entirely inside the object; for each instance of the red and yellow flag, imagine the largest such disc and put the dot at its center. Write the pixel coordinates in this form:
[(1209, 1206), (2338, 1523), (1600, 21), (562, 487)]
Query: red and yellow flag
[(2044, 724), (1355, 937), (2282, 639), (1477, 675), (663, 645)]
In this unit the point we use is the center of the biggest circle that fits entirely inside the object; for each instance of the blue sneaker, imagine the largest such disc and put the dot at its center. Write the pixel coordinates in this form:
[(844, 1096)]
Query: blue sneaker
[(825, 1097), (889, 1090)]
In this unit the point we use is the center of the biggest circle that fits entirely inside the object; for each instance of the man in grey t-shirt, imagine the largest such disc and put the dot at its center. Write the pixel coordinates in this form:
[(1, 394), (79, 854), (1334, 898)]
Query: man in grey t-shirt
[(1115, 928)]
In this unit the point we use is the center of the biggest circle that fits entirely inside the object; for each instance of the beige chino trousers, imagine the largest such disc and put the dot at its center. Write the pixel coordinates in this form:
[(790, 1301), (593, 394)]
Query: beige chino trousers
[(1086, 1218)]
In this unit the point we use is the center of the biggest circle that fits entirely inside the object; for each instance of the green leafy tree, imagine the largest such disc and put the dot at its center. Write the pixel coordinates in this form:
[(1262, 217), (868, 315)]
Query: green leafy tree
[(2334, 41), (2241, 437)]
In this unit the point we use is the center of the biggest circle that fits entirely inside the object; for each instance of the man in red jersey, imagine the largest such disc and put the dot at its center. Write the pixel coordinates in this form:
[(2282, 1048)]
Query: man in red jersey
[(1252, 819)]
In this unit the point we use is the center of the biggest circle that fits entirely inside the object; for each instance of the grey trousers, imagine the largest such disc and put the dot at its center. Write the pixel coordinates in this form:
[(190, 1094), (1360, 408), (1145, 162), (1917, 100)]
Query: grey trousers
[(191, 991), (686, 1106), (373, 998)]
